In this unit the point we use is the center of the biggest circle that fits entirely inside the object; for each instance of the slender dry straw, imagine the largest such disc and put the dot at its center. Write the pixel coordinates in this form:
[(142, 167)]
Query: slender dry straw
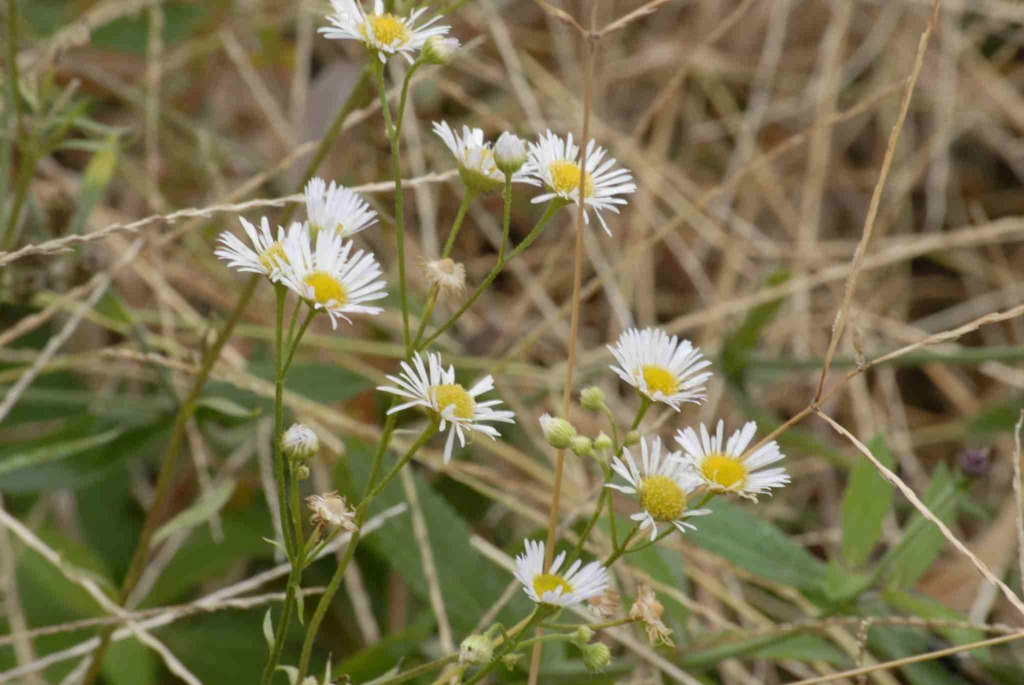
[(876, 200), (1018, 498), (589, 44)]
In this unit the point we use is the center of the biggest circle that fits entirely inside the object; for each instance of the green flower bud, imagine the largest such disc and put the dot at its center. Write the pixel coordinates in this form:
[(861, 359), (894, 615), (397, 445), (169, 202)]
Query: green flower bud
[(592, 398), (301, 472), (439, 50), (596, 657), (583, 635), (510, 661), (476, 649), (509, 153), (558, 432), (602, 441), (632, 438), (582, 446)]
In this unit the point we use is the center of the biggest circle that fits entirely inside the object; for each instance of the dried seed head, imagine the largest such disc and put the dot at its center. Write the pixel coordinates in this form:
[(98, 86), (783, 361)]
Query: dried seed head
[(606, 604), (648, 609), (449, 276), (331, 510)]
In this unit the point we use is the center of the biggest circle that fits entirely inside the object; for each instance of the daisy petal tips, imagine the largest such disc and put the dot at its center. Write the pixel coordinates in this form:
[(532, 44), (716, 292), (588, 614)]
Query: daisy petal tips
[(381, 32), (336, 208), (554, 164), (662, 485), (558, 587), (427, 383), (330, 277), (262, 256), (475, 157), (722, 465), (662, 368)]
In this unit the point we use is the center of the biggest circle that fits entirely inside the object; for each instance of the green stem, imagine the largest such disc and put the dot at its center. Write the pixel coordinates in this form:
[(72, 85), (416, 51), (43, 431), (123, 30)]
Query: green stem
[(419, 670), (394, 136), (552, 207), (619, 551), (167, 468), (598, 510), (298, 338), (382, 446), (296, 518), (457, 224), (12, 63), (428, 432), (434, 290), (506, 218), (539, 614), (282, 629), (644, 545), (25, 173), (645, 404), (361, 511), (291, 543)]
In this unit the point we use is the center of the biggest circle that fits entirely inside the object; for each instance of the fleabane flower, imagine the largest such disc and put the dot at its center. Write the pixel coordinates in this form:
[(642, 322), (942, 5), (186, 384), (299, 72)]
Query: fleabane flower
[(262, 257), (331, 511), (447, 275), (381, 32), (336, 208), (330, 277), (722, 466), (661, 367), (426, 383), (554, 163), (575, 585), (663, 486), (475, 158)]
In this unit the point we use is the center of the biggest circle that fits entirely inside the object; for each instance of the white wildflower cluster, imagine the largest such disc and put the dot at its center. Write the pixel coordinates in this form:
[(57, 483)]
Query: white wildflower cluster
[(318, 262)]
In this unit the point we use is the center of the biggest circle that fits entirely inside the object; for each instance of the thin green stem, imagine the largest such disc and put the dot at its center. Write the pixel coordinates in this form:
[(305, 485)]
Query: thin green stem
[(552, 207), (585, 535), (539, 614), (645, 404), (457, 224), (296, 511), (419, 670), (659, 537), (428, 311), (382, 446), (291, 543), (12, 63), (281, 631), (291, 325), (25, 172), (428, 432), (298, 338), (361, 511), (620, 550), (167, 467), (405, 92), (506, 220)]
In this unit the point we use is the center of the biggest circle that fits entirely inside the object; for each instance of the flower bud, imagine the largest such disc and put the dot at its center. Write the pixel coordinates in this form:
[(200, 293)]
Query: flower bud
[(509, 153), (476, 649), (300, 443), (596, 657), (602, 441), (439, 50), (582, 446), (632, 438), (592, 398), (558, 432), (583, 635), (510, 661), (301, 472), (975, 462)]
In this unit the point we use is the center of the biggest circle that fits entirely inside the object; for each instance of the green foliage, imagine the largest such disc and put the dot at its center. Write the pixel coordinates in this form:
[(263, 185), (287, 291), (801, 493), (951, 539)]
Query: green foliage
[(756, 545), (866, 501)]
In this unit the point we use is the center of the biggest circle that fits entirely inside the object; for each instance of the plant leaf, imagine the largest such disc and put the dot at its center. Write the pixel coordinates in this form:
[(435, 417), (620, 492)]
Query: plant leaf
[(866, 501)]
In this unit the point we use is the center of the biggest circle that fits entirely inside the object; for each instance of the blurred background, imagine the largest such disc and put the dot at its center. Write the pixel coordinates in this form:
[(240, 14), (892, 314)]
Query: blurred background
[(756, 131)]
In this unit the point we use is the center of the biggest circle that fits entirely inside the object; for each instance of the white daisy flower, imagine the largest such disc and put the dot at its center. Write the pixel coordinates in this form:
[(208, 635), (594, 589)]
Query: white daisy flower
[(662, 485), (380, 31), (475, 158), (574, 586), (336, 208), (554, 163), (330, 277), (431, 386), (724, 468), (262, 257), (662, 368)]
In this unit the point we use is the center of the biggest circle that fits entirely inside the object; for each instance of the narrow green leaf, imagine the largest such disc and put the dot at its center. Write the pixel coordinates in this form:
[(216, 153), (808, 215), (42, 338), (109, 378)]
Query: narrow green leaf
[(268, 630), (756, 545), (866, 501), (95, 180), (199, 512), (922, 541)]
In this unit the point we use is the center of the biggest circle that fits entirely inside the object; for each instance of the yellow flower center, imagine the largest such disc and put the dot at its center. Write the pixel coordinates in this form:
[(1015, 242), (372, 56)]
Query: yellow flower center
[(662, 498), (273, 255), (724, 470), (447, 395), (659, 379), (326, 288), (548, 582), (387, 29), (565, 178)]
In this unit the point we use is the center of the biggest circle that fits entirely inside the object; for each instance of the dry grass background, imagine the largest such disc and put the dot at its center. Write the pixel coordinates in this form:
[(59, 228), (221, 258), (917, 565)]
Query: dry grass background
[(758, 132)]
